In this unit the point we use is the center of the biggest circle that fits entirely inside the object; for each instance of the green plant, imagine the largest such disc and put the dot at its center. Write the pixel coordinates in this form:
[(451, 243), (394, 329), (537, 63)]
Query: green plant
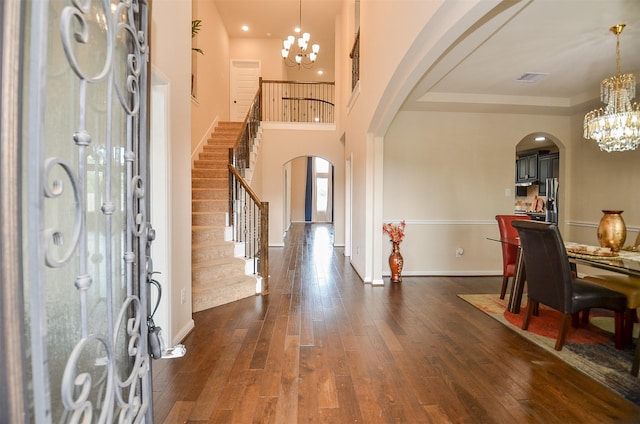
[(195, 29)]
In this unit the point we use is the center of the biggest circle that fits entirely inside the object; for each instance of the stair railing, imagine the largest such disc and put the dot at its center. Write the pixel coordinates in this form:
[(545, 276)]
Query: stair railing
[(298, 101), (283, 101), (244, 143), (249, 220)]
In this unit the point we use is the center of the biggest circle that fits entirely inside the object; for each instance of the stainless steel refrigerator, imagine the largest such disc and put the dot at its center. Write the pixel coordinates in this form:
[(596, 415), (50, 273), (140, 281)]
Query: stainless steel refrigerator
[(552, 200)]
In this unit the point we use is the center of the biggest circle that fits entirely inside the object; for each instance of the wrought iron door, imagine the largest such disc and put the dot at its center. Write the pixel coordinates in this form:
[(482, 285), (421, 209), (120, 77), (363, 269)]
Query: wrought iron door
[(85, 210)]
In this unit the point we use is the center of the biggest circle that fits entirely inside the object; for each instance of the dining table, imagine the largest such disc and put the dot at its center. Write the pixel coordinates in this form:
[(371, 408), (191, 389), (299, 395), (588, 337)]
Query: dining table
[(622, 262)]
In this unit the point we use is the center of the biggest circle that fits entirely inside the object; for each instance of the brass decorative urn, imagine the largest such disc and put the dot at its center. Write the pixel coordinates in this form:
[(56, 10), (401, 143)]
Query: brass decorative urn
[(612, 231)]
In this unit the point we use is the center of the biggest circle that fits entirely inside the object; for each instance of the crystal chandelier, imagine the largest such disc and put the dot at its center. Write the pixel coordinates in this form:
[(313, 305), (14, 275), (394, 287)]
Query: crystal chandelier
[(617, 127), (301, 55)]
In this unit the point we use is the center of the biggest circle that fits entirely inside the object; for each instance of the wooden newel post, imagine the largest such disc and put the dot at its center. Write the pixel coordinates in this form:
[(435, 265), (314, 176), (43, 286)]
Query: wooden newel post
[(264, 246)]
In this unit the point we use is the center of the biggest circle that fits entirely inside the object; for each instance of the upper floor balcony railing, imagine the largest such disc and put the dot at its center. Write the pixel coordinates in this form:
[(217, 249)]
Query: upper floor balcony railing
[(355, 61), (293, 101)]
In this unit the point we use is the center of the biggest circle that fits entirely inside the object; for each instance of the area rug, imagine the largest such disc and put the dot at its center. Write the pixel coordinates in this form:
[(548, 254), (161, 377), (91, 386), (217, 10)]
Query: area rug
[(589, 349)]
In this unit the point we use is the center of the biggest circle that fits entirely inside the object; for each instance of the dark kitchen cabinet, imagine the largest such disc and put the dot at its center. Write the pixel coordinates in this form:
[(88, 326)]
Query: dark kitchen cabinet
[(548, 167), (527, 168)]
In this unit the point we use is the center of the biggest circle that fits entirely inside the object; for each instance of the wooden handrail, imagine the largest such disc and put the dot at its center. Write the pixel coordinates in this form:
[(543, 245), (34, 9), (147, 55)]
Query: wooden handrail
[(297, 82), (355, 44), (244, 184)]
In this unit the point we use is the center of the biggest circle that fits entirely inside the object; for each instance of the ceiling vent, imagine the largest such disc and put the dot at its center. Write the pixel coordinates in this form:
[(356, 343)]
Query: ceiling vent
[(531, 77)]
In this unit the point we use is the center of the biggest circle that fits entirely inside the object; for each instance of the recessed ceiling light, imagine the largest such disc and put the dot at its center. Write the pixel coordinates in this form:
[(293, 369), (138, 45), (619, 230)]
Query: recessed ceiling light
[(541, 138), (320, 72), (297, 29), (245, 28)]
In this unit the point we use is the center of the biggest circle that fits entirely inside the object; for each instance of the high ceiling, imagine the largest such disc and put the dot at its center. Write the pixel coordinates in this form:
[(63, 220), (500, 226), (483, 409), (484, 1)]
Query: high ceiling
[(568, 41), (276, 19)]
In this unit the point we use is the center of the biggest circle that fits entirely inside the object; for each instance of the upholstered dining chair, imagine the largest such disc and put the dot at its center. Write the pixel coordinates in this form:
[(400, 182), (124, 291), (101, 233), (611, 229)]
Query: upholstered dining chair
[(550, 281), (509, 251)]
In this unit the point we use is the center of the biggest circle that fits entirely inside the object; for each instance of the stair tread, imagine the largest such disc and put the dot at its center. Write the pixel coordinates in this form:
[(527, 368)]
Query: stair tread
[(219, 262), (212, 243)]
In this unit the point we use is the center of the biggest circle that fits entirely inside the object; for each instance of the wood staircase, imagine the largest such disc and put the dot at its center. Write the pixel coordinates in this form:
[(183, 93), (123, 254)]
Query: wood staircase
[(218, 277)]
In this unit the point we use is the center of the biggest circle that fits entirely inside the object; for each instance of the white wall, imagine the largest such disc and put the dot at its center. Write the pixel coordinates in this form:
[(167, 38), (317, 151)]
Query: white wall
[(590, 180), (446, 174), (264, 50), (212, 69), (391, 63), (280, 146), (600, 180), (170, 46)]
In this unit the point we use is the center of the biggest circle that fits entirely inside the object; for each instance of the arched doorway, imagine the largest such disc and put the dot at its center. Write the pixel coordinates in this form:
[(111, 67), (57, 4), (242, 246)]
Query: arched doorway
[(308, 190), (537, 177)]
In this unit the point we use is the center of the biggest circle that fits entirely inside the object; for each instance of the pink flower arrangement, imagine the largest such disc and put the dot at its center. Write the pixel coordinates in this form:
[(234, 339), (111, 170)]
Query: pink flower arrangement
[(395, 232)]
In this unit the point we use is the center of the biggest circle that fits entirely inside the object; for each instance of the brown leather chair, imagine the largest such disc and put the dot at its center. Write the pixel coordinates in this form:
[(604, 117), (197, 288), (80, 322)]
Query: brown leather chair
[(509, 251), (550, 281)]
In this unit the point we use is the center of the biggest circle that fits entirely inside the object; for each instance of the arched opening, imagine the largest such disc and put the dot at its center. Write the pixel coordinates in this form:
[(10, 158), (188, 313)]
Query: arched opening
[(537, 177), (309, 187)]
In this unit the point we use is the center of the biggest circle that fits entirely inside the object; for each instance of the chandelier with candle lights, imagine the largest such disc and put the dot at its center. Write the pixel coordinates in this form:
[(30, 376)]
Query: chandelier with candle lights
[(297, 53)]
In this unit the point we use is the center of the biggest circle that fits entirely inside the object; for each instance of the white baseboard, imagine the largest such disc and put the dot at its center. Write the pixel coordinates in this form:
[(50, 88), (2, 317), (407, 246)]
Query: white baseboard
[(450, 273), (180, 335)]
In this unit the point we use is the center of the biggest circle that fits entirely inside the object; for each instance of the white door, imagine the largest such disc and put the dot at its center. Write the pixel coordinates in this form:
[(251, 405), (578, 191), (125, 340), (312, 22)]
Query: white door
[(83, 264), (245, 80)]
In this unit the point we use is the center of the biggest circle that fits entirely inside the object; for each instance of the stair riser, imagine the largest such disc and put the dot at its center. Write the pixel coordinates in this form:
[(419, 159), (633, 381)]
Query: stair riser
[(229, 126), (206, 235), (216, 274), (205, 219), (210, 164), (203, 254), (209, 173), (209, 194), (210, 206), (218, 146), (220, 183), (213, 155)]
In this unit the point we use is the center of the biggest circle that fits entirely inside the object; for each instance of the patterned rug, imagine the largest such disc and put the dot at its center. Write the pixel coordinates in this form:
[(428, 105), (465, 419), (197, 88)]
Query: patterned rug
[(589, 349)]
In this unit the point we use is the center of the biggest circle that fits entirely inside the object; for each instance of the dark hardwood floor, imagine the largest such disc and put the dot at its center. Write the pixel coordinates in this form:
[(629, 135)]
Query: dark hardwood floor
[(324, 347)]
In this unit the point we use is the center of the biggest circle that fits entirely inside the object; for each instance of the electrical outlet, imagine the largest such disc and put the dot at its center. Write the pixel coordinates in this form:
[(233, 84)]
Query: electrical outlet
[(182, 296), (459, 252)]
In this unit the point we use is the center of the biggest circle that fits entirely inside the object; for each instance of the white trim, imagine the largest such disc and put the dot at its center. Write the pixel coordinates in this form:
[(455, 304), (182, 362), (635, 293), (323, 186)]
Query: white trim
[(452, 273), (582, 224), (595, 225), (160, 172), (184, 331), (203, 140), (444, 221)]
